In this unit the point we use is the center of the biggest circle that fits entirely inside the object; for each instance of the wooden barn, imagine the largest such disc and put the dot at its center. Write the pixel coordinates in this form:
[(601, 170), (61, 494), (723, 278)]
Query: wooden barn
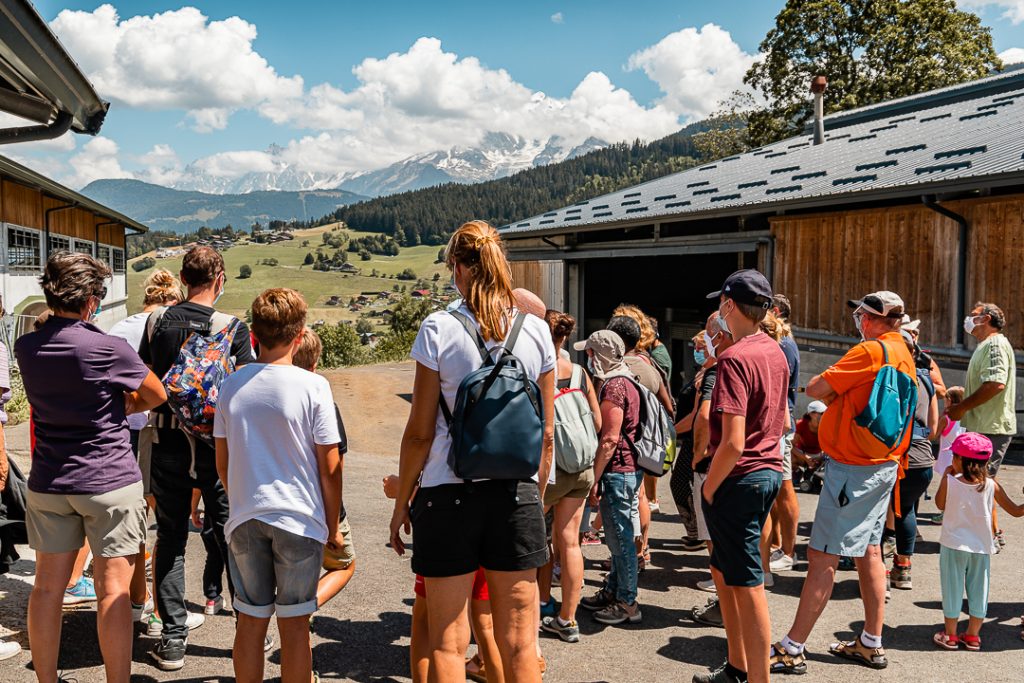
[(922, 195)]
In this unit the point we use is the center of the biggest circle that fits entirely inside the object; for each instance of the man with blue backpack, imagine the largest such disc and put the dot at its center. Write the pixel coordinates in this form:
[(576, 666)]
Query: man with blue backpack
[(871, 393), (191, 347)]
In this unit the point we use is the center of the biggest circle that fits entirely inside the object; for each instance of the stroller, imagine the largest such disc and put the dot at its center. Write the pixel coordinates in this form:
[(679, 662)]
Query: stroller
[(810, 479)]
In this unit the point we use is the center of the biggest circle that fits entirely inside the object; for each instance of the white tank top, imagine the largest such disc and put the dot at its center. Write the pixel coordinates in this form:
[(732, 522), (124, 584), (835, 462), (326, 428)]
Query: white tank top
[(945, 457), (967, 519)]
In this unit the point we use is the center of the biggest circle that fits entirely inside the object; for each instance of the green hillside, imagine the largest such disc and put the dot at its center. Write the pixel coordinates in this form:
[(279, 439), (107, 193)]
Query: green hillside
[(318, 287)]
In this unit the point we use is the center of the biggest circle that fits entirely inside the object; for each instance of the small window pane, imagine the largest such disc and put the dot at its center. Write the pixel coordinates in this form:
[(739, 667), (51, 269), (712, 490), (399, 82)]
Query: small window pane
[(118, 264), (103, 254), (23, 249), (83, 247), (58, 243)]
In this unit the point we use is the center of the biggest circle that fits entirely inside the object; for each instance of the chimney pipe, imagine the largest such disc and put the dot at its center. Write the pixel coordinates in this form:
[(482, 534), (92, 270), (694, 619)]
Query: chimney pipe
[(818, 85)]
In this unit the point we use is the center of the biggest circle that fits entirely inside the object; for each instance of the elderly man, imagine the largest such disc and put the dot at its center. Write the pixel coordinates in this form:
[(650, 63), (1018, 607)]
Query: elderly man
[(859, 477)]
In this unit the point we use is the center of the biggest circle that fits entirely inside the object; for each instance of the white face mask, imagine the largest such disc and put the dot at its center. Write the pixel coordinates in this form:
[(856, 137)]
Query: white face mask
[(857, 322), (709, 344), (722, 322), (969, 324)]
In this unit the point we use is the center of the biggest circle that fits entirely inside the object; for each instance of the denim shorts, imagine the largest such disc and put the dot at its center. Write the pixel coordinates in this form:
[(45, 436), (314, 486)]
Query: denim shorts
[(273, 570), (735, 517), (851, 507)]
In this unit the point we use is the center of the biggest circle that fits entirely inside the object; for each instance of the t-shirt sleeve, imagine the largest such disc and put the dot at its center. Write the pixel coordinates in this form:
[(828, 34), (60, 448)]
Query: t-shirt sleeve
[(325, 422), (220, 428), (997, 369), (852, 369), (145, 351), (614, 392), (707, 386), (733, 392), (241, 348), (548, 357), (127, 371), (426, 348), (343, 437)]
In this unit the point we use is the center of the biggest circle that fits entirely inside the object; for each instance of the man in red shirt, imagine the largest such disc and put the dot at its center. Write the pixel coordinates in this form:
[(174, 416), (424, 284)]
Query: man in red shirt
[(749, 415)]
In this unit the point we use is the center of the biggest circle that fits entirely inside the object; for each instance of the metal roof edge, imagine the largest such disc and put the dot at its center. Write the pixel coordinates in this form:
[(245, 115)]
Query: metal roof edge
[(27, 176)]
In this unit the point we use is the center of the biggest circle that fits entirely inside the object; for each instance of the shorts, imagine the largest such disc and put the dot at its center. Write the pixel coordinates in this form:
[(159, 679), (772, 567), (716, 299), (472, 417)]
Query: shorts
[(480, 591), (786, 446), (273, 570), (702, 522), (1000, 444), (569, 486), (495, 524), (114, 522), (735, 518), (851, 507), (343, 558), (142, 446)]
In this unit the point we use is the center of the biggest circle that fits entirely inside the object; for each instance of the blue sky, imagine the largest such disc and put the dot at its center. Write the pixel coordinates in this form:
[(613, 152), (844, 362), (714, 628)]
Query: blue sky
[(348, 86)]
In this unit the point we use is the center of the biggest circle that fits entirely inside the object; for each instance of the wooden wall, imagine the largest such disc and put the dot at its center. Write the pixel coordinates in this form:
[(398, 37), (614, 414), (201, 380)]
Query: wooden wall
[(543, 278), (822, 260), (26, 206)]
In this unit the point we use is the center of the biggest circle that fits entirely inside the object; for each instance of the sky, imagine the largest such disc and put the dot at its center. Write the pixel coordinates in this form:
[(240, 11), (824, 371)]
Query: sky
[(231, 87)]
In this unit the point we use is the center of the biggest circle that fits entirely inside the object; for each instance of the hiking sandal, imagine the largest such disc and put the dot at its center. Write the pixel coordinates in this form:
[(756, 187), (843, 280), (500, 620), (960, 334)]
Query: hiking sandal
[(781, 662), (475, 670), (972, 643), (946, 641), (856, 651)]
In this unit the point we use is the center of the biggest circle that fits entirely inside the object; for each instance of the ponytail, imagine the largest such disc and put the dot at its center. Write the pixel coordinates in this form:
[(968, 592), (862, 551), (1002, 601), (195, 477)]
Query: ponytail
[(477, 246)]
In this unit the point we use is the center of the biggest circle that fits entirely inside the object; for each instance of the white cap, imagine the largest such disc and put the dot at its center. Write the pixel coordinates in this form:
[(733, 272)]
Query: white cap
[(816, 407), (911, 325), (884, 303)]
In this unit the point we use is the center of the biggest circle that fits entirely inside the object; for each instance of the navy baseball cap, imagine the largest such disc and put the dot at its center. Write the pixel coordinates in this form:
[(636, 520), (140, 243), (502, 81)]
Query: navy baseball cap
[(746, 286)]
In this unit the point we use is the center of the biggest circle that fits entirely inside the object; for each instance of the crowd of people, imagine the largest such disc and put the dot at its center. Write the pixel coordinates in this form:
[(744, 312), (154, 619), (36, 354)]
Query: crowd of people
[(513, 458)]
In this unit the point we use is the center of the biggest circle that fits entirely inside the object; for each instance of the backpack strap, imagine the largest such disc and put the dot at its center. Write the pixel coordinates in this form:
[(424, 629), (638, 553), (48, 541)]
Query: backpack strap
[(513, 336), (474, 333), (154, 319), (576, 380), (221, 321), (885, 352)]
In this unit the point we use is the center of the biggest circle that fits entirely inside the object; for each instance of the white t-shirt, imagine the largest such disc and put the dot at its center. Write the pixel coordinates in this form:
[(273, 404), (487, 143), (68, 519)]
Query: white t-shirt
[(444, 345), (273, 416), (131, 330)]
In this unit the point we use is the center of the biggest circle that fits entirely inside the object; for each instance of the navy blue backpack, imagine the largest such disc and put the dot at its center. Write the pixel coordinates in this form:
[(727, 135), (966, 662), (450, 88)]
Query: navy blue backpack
[(497, 425)]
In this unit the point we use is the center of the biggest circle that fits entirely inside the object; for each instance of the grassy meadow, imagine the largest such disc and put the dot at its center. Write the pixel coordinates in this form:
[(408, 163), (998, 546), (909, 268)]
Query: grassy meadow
[(315, 285)]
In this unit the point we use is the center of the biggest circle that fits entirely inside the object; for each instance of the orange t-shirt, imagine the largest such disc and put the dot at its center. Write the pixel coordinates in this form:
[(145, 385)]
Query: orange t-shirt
[(852, 378)]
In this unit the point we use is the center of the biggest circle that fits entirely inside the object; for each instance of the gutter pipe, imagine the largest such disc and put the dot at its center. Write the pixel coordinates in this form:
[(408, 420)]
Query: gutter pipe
[(961, 275)]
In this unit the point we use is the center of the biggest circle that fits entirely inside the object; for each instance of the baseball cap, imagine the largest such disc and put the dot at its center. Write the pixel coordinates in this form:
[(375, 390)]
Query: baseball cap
[(746, 286), (972, 446), (911, 325), (603, 342), (816, 407), (884, 303)]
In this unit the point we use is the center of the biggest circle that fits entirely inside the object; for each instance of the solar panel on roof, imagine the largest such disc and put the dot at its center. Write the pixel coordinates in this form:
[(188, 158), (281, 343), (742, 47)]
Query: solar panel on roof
[(630, 202), (522, 225), (701, 183), (785, 169), (710, 190), (546, 222), (814, 174), (675, 205), (600, 206), (637, 209), (725, 197), (937, 117), (572, 218), (774, 154), (881, 128), (631, 194), (603, 214), (553, 213), (855, 179), (788, 188), (905, 118), (966, 151), (706, 168), (995, 105), (938, 168), (753, 183), (571, 211), (968, 117), (904, 150), (876, 164), (862, 137), (663, 197)]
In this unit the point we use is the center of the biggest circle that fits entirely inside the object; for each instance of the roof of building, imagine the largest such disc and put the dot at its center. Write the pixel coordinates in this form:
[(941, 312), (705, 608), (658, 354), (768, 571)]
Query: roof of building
[(27, 176), (38, 79), (958, 138)]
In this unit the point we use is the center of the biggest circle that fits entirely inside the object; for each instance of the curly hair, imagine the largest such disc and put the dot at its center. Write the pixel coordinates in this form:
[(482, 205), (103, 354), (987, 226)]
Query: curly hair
[(69, 280), (647, 333), (561, 324), (161, 287)]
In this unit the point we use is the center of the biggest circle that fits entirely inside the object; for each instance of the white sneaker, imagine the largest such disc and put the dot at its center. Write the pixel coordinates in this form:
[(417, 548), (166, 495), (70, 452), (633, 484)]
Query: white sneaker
[(214, 606), (707, 585), (155, 627), (654, 506), (8, 649), (769, 580), (782, 563)]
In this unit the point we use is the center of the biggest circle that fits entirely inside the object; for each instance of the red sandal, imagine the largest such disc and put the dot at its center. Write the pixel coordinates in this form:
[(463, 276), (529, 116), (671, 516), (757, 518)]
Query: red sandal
[(972, 643), (946, 641)]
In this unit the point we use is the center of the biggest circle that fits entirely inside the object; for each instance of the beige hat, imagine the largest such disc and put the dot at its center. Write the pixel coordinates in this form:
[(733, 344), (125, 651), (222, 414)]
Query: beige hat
[(912, 325), (603, 342), (884, 303)]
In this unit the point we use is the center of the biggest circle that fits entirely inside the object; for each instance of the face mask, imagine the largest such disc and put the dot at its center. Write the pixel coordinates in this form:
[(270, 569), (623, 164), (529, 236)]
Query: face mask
[(590, 365), (969, 324), (858, 324), (219, 295), (709, 344), (96, 313), (699, 358), (722, 322)]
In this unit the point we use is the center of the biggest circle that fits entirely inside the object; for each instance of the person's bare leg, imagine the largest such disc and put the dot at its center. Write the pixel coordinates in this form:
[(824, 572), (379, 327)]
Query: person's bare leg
[(79, 568), (448, 624), (568, 514), (973, 625), (296, 655), (651, 487), (139, 590), (114, 615), (775, 537), (644, 507), (788, 506), (45, 611), (332, 583), (871, 575), (821, 576), (486, 647), (247, 653), (765, 544), (732, 620), (515, 613), (419, 642), (755, 629)]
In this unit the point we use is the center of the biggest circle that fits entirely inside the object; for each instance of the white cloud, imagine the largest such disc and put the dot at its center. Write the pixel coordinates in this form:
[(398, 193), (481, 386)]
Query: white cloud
[(160, 165), (557, 18), (1012, 10), (1014, 55), (97, 159), (174, 60), (695, 68), (235, 164)]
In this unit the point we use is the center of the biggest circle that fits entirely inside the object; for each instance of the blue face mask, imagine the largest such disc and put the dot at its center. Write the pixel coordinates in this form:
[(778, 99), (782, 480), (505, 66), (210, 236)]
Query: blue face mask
[(699, 357), (590, 364), (96, 313)]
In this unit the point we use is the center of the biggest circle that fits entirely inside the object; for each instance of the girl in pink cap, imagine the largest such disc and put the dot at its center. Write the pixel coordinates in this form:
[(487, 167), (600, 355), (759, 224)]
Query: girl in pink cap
[(967, 495)]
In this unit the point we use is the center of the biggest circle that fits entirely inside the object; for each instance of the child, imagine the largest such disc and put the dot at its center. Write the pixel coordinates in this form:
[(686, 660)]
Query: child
[(339, 565), (967, 495), (806, 451), (277, 455), (949, 430)]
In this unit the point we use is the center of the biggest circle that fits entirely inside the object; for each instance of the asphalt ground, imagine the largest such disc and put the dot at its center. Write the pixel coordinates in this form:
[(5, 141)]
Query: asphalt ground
[(363, 634)]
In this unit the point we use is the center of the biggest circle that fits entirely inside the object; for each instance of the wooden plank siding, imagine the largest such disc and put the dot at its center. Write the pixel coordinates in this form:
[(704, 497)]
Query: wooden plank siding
[(26, 206), (543, 278), (22, 205)]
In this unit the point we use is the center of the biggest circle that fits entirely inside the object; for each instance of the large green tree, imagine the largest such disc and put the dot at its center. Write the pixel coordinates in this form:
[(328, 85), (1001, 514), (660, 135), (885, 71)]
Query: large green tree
[(870, 51)]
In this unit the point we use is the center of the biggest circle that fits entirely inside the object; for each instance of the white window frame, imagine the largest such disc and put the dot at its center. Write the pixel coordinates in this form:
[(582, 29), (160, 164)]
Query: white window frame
[(115, 253), (56, 236), (38, 234), (75, 243), (100, 256)]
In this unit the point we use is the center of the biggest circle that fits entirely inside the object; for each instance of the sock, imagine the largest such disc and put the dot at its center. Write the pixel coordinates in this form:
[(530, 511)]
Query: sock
[(792, 647), (562, 622), (869, 640), (736, 673)]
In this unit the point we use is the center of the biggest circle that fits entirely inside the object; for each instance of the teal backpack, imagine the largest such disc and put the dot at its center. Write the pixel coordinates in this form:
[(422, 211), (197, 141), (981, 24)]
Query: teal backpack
[(890, 409)]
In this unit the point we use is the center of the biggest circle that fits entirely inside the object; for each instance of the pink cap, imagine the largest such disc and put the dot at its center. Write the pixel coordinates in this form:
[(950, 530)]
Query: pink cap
[(972, 446)]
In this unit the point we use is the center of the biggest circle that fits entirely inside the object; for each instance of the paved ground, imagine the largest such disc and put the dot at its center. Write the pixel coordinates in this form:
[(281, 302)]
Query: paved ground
[(363, 634)]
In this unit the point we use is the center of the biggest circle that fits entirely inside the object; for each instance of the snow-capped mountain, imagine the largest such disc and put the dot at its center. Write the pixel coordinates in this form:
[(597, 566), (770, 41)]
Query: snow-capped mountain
[(498, 155)]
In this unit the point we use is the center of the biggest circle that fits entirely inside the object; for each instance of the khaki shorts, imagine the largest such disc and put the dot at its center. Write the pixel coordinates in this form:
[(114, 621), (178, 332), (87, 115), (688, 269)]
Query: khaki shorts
[(114, 522), (569, 486), (346, 556), (786, 446)]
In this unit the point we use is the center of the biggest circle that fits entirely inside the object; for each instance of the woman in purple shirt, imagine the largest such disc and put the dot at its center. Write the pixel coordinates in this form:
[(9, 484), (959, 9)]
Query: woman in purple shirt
[(84, 481)]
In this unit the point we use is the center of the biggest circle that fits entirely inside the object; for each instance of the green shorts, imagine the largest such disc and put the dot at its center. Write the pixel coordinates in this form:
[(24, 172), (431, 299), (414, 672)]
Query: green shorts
[(114, 522), (343, 558)]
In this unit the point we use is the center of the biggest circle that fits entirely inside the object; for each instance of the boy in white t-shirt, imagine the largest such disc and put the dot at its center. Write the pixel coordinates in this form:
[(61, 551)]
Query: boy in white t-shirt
[(277, 455)]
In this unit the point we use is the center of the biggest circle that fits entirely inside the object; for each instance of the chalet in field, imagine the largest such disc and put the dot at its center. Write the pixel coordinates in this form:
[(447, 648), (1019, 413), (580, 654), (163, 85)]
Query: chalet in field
[(922, 195)]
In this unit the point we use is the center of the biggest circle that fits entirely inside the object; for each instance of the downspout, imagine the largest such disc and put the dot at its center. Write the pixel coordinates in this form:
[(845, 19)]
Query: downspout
[(58, 127), (961, 275), (46, 223), (96, 242)]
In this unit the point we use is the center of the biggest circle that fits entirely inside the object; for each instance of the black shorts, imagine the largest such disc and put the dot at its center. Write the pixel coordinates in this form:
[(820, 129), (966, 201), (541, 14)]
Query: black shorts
[(497, 525), (735, 518)]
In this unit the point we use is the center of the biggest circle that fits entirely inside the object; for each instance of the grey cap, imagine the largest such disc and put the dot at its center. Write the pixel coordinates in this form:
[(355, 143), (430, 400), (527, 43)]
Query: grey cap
[(604, 343)]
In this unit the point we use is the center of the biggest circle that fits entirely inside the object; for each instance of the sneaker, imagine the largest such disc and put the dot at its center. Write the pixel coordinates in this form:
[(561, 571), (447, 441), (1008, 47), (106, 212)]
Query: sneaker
[(8, 649), (155, 627), (83, 591), (550, 609), (707, 585), (598, 601), (937, 519), (769, 580), (709, 615), (900, 576), (268, 643), (214, 605), (1000, 538), (889, 547), (169, 655), (619, 613), (141, 612), (719, 675), (693, 545), (782, 563), (570, 633), (888, 586), (590, 537), (654, 506)]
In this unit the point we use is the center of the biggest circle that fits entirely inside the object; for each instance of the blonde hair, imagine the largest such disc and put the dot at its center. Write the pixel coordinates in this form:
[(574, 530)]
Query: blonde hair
[(647, 335), (775, 327), (278, 317), (308, 353), (698, 340), (477, 247), (161, 287)]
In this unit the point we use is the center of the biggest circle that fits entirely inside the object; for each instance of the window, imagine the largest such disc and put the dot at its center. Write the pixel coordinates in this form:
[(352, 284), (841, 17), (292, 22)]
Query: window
[(23, 249), (58, 243), (118, 264), (103, 254), (83, 247)]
